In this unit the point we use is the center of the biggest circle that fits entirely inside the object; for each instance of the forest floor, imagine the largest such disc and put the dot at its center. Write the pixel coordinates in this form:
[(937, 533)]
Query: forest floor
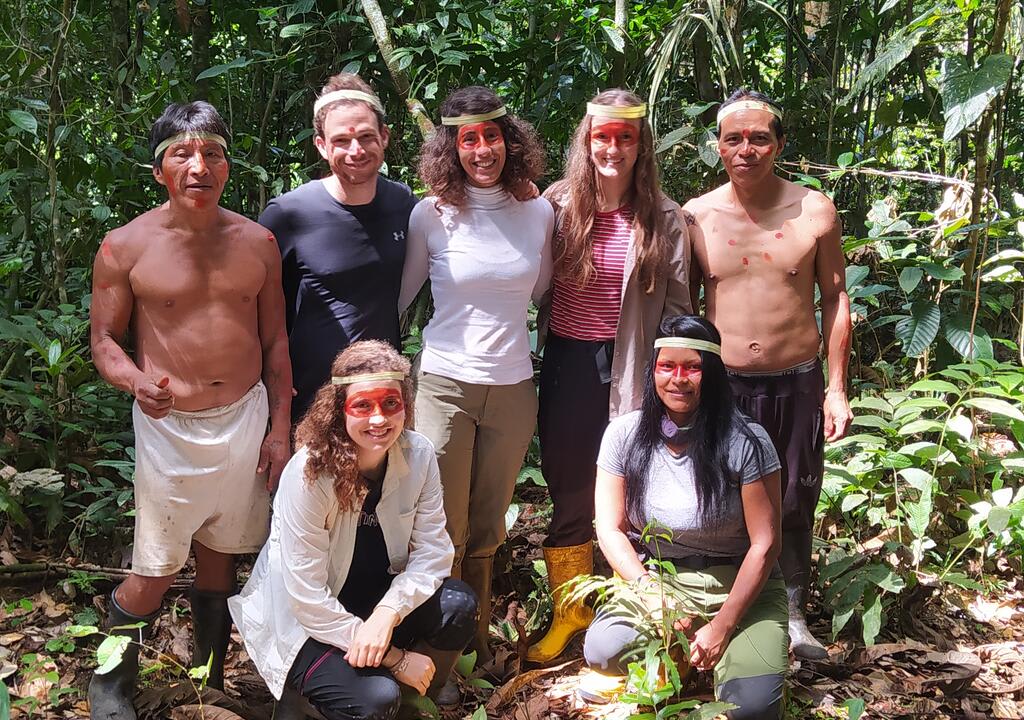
[(946, 653)]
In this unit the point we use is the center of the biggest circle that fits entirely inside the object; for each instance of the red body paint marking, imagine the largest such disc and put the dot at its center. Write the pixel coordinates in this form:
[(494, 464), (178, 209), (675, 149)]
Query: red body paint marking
[(351, 130), (615, 133), (480, 135), (379, 401), (745, 133), (746, 261), (104, 286), (778, 236), (767, 257), (271, 238), (732, 242), (105, 249)]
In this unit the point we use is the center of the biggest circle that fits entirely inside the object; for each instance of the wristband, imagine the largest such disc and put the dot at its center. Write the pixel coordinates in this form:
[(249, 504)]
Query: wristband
[(401, 657)]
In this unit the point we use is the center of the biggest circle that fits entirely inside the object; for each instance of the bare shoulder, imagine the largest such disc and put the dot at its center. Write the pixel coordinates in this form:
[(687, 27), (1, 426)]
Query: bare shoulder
[(251, 233), (122, 246), (819, 212), (706, 203)]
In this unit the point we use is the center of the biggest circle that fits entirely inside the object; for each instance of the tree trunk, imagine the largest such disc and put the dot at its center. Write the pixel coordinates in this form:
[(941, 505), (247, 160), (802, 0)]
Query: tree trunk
[(202, 30), (618, 78), (372, 11)]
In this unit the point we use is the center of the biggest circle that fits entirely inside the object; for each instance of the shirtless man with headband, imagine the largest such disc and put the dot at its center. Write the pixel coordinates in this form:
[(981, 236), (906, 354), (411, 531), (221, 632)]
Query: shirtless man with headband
[(760, 244), (200, 289)]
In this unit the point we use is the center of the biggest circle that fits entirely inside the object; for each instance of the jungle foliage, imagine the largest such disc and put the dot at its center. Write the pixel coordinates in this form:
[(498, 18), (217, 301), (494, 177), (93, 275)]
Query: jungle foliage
[(906, 113)]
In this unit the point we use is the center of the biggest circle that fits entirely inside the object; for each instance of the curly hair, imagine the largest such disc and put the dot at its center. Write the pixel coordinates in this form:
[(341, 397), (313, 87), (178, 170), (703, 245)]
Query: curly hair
[(322, 430), (439, 165), (573, 249)]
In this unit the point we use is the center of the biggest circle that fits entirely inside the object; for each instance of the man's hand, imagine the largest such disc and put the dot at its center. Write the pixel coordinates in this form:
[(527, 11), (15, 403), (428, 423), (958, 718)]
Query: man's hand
[(274, 455), (415, 670), (707, 646), (837, 415), (525, 190), (373, 638), (153, 396)]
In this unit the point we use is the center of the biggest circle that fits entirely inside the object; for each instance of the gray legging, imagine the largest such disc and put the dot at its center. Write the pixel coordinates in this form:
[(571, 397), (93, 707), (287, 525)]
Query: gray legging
[(751, 672)]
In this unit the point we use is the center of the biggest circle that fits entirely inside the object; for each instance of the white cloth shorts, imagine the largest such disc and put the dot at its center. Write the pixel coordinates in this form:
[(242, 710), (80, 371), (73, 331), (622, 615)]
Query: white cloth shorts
[(196, 479)]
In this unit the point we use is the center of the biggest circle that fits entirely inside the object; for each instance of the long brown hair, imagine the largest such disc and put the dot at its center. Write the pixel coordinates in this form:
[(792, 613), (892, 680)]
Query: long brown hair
[(573, 250), (322, 430), (439, 166)]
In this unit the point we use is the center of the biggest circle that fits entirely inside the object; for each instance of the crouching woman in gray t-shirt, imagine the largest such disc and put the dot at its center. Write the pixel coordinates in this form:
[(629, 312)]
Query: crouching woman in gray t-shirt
[(690, 463)]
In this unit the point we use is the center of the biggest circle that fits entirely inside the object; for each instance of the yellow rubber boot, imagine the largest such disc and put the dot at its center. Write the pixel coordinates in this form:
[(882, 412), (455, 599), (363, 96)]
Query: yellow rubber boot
[(564, 563)]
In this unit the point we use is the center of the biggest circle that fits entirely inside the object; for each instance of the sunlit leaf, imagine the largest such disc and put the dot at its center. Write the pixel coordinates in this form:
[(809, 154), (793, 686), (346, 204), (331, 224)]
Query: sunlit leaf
[(895, 51), (109, 653), (966, 91), (995, 406), (23, 120), (872, 617), (957, 330), (917, 331), (910, 276)]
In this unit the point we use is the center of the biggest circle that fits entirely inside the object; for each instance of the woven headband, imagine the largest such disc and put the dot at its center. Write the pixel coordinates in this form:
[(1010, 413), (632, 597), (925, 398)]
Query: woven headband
[(367, 377), (748, 105), (187, 136), (336, 95), (471, 119), (688, 343), (630, 112)]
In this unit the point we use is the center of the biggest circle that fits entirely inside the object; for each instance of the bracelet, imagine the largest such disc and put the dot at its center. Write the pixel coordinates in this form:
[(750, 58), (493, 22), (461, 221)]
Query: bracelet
[(393, 665), (401, 665)]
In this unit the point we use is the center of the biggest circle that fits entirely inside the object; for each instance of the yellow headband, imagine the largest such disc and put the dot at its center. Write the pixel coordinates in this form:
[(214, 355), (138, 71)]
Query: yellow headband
[(688, 343), (367, 377), (471, 119), (629, 112), (748, 105), (336, 95), (187, 136)]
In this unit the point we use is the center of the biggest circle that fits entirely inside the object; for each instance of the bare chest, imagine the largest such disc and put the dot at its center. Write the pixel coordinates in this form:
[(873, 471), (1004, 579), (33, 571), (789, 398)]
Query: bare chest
[(181, 280), (734, 250)]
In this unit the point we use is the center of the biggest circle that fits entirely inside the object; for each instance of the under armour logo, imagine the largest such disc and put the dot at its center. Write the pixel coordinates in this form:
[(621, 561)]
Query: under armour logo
[(399, 235)]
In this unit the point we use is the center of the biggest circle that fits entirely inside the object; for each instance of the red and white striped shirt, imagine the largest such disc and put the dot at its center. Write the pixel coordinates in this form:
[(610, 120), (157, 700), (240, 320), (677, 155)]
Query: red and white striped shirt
[(592, 312)]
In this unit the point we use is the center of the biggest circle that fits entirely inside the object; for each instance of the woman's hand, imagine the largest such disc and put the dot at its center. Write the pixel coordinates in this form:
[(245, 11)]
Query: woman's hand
[(372, 638), (415, 670), (708, 645)]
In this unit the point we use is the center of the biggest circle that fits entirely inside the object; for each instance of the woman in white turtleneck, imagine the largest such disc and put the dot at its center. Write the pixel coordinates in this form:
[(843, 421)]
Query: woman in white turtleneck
[(486, 254)]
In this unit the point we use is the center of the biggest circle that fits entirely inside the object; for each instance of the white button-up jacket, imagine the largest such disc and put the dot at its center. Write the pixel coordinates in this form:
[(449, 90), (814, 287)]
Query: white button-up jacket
[(293, 592)]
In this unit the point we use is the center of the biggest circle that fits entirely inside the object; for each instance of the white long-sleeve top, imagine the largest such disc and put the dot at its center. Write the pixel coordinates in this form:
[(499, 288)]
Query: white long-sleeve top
[(292, 593), (485, 262)]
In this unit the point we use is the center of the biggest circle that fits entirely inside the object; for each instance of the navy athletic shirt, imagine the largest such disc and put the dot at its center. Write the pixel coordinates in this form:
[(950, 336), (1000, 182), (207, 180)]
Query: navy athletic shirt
[(341, 267)]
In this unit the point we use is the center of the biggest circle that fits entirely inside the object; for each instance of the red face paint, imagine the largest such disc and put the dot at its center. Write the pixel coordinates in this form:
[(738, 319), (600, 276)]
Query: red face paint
[(746, 261), (368, 403), (619, 134), (480, 135), (677, 371), (767, 257), (732, 242), (778, 236), (745, 132)]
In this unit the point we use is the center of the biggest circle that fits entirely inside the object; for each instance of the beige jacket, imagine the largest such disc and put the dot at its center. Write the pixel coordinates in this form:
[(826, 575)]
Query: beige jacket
[(292, 593), (641, 313)]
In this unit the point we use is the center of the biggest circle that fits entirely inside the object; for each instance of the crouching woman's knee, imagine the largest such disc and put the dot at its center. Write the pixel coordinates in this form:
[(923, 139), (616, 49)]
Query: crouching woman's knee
[(459, 611), (608, 638), (378, 698), (758, 698)]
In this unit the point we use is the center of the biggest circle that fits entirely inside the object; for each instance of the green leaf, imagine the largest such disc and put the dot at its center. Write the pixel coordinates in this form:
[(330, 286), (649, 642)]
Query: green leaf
[(511, 515), (921, 425), (917, 478), (711, 710), (967, 92), (465, 664), (80, 631), (856, 274), (941, 272), (5, 702), (896, 50), (480, 713), (296, 29), (998, 519), (855, 706), (109, 653), (839, 620), (845, 159), (957, 330), (708, 149), (167, 62), (100, 213), (917, 331), (995, 406), (674, 138), (933, 386), (872, 618), (238, 62), (615, 38), (53, 352), (24, 120), (852, 500), (910, 277)]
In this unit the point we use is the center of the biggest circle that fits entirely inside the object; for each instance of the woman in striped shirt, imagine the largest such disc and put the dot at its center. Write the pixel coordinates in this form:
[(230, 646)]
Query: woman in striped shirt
[(621, 255)]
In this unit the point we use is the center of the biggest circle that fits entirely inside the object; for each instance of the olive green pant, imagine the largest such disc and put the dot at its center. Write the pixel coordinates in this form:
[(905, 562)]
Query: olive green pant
[(750, 672), (481, 434)]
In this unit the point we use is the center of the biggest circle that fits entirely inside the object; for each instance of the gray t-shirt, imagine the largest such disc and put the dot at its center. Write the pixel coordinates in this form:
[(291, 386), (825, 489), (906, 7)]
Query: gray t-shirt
[(671, 497)]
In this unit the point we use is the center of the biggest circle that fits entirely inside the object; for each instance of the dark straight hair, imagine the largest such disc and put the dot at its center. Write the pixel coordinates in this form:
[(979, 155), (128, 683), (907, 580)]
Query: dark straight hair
[(197, 116), (747, 94), (715, 421)]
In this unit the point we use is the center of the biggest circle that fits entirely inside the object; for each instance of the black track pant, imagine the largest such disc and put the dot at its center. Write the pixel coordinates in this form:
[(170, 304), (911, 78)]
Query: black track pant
[(575, 382), (339, 691)]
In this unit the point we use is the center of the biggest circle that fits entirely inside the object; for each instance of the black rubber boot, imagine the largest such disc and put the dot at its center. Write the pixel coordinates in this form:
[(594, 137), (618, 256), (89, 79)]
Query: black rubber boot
[(795, 560), (211, 631), (111, 694), (443, 690), (291, 706)]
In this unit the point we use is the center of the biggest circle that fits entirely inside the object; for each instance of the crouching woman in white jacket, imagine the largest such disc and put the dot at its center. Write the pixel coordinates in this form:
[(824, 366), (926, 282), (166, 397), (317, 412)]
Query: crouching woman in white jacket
[(351, 595)]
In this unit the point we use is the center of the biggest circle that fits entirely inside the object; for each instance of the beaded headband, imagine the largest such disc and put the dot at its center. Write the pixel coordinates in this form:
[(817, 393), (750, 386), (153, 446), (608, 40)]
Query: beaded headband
[(689, 344), (367, 377), (187, 136), (748, 105), (471, 119), (630, 112), (336, 95)]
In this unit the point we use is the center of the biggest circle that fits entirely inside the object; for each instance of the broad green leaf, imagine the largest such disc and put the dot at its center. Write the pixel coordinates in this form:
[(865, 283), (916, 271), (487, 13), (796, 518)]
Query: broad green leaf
[(109, 653), (966, 92), (921, 425), (995, 406), (872, 617), (845, 159), (942, 272), (296, 29), (711, 710), (708, 149), (910, 277), (5, 702), (856, 274), (855, 706), (871, 402), (895, 51), (962, 426), (465, 664), (480, 713), (839, 620), (917, 478), (24, 120), (80, 631), (1003, 496), (674, 138), (919, 514), (957, 330), (511, 515), (101, 213), (167, 62), (615, 38), (998, 519), (852, 500), (930, 385), (216, 70), (53, 352), (917, 331)]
